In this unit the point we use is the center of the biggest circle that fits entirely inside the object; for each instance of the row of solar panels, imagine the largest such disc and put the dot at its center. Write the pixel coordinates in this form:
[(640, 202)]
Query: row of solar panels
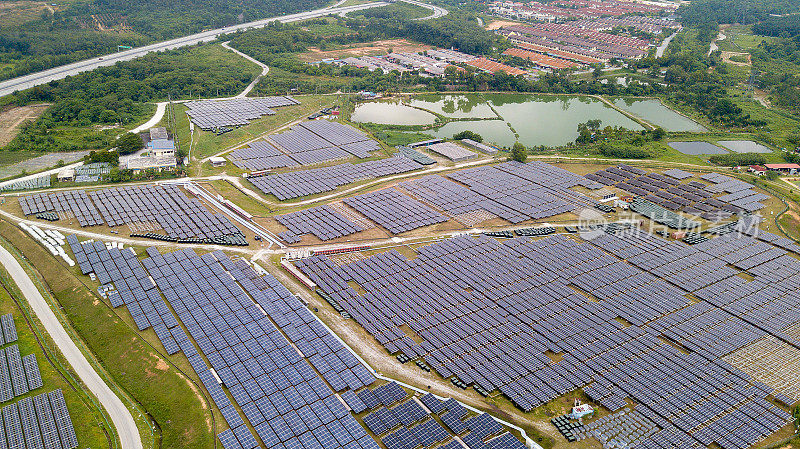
[(41, 421), (18, 375)]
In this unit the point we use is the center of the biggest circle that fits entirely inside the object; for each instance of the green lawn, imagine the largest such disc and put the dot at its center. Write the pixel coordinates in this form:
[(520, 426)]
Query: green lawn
[(90, 422), (177, 408)]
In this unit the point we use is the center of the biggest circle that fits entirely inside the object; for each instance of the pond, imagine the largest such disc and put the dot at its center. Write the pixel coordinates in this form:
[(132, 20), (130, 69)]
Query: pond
[(494, 131), (454, 106), (550, 120), (652, 111), (744, 146), (391, 113), (697, 148)]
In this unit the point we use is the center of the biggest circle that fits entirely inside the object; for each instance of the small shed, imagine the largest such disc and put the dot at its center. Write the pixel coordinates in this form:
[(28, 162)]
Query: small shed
[(217, 161)]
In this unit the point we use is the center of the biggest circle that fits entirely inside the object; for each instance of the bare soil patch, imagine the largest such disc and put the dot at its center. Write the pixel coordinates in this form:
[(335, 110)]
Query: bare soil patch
[(367, 49), (497, 24), (12, 119), (726, 57)]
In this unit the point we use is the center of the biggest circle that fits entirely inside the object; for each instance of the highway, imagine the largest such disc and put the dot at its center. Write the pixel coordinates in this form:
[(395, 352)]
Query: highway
[(34, 79), (120, 415)]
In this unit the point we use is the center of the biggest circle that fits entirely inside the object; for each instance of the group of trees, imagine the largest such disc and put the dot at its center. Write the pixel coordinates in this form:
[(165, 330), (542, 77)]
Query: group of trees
[(67, 34), (700, 12), (117, 94)]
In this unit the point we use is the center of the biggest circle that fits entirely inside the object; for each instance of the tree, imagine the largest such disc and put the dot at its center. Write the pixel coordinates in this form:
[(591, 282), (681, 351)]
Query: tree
[(129, 143), (519, 153), (772, 175), (659, 133), (467, 134)]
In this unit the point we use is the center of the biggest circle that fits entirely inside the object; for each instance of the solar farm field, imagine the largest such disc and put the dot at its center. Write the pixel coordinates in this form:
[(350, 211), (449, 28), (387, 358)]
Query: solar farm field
[(276, 374), (620, 309)]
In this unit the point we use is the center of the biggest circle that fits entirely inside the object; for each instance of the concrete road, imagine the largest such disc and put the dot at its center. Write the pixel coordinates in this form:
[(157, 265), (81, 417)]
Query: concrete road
[(120, 415), (34, 79), (264, 69)]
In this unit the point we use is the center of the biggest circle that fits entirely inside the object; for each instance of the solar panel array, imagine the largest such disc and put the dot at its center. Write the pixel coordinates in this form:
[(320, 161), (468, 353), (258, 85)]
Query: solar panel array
[(415, 421), (286, 186), (260, 155), (18, 375), (488, 312), (174, 212), (394, 211), (307, 143), (274, 372), (40, 182), (211, 114), (696, 198), (8, 330), (76, 202), (164, 207), (322, 221), (40, 421)]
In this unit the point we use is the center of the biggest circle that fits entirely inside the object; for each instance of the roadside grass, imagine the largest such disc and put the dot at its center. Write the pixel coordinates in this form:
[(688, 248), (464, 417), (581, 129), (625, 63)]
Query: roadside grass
[(241, 199), (92, 427), (208, 144), (176, 409)]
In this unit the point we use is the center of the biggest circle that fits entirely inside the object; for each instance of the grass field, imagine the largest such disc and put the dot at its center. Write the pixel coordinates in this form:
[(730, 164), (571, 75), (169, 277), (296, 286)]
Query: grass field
[(88, 418), (177, 413)]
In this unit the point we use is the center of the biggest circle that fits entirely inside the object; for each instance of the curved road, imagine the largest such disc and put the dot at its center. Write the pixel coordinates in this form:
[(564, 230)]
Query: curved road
[(120, 415), (26, 82)]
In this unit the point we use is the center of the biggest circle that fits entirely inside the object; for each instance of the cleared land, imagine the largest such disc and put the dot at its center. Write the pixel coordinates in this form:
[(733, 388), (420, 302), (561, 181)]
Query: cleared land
[(12, 119), (368, 49)]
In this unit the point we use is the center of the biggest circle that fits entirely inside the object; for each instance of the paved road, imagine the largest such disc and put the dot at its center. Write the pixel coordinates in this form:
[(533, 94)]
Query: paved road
[(663, 47), (264, 70), (25, 82), (120, 415), (160, 109)]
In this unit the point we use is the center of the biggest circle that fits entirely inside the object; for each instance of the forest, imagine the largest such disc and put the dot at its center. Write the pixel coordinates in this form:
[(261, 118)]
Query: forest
[(69, 35), (118, 94), (698, 12)]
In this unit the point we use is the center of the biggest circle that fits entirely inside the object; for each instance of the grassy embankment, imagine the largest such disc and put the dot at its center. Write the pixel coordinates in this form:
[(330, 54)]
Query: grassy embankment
[(92, 425), (178, 413)]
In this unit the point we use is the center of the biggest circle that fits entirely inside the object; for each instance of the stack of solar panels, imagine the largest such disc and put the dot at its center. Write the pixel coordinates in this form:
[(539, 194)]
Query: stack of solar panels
[(518, 192), (75, 201), (40, 421), (678, 174), (318, 180), (661, 215), (133, 288), (343, 136), (212, 114), (535, 232), (394, 211), (740, 194), (322, 221), (416, 156)]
